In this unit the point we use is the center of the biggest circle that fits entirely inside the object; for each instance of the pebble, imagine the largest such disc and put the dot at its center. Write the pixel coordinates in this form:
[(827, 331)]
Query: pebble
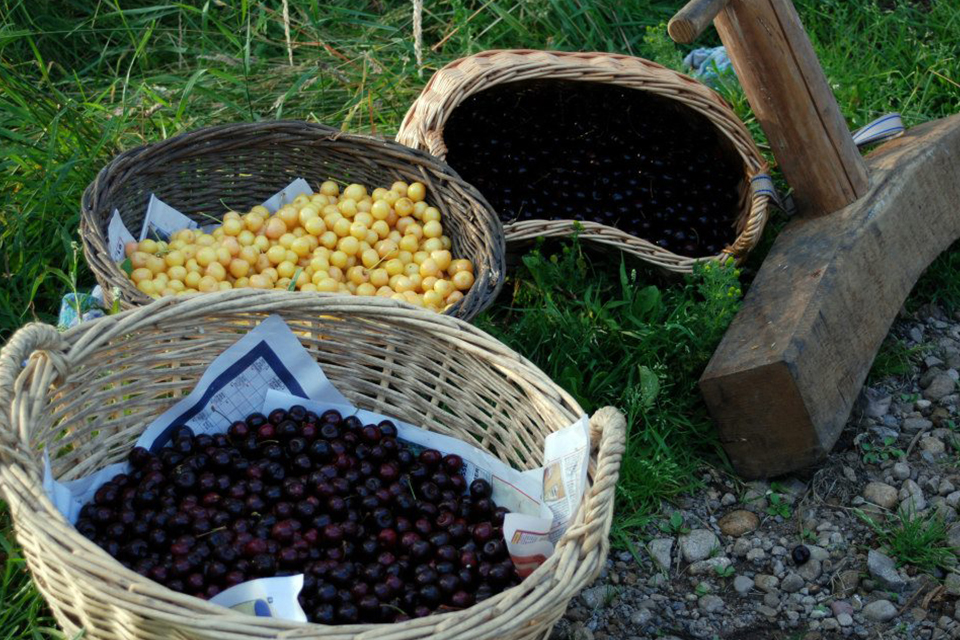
[(710, 603), (709, 566), (877, 403), (766, 582), (879, 611), (660, 551), (884, 571), (738, 523), (901, 471), (916, 424), (845, 619), (881, 494), (728, 499), (755, 555), (847, 583), (810, 570), (698, 544), (792, 583), (932, 445), (839, 606), (641, 617), (594, 597), (952, 584), (742, 585), (942, 385), (945, 488)]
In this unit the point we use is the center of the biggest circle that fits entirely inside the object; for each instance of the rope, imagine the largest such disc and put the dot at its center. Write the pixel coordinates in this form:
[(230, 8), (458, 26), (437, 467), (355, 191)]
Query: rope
[(418, 33)]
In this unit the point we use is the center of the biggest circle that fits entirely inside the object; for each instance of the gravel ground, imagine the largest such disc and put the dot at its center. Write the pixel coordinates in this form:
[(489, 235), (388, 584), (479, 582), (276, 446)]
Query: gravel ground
[(794, 558)]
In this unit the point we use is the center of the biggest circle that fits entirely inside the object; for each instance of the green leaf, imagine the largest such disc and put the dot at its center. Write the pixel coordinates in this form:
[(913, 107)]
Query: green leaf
[(293, 281), (127, 266), (649, 386)]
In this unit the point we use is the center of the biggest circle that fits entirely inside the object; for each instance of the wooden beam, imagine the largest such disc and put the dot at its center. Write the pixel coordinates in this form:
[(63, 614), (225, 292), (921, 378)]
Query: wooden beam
[(687, 25), (786, 87), (783, 380)]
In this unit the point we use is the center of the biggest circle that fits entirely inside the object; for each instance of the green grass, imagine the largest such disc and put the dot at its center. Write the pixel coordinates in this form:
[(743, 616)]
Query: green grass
[(916, 540), (22, 612), (895, 358), (82, 80)]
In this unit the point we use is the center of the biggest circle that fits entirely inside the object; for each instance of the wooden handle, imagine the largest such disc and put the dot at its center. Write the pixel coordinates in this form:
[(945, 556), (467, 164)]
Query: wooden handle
[(789, 93), (691, 21)]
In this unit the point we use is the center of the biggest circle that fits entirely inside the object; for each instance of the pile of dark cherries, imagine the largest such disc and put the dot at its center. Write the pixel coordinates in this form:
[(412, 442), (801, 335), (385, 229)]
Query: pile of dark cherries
[(571, 150), (381, 533)]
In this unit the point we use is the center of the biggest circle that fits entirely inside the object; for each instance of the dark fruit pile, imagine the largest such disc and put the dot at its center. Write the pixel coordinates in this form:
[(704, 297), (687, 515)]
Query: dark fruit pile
[(568, 150), (380, 534)]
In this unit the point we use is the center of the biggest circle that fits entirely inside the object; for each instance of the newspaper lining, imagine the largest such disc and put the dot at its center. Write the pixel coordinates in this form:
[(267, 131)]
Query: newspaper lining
[(268, 368)]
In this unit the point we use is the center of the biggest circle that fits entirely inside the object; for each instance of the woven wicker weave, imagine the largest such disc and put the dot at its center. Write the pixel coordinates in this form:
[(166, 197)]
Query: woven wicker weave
[(424, 123), (201, 172), (94, 389)]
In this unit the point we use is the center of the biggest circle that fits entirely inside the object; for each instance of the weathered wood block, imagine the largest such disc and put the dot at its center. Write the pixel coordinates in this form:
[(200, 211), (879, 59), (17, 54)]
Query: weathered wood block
[(784, 379)]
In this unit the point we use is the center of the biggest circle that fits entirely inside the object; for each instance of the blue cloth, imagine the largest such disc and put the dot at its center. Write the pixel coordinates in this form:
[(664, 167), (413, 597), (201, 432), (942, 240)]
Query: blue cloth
[(79, 307), (709, 65)]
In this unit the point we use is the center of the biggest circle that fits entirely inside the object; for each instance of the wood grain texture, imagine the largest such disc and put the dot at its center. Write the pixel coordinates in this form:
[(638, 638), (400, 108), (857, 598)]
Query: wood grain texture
[(784, 379), (693, 19), (789, 93)]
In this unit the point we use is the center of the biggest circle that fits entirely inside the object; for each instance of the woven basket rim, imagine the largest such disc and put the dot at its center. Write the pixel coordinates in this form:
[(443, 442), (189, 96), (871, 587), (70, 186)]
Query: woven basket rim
[(579, 555), (423, 124), (94, 218)]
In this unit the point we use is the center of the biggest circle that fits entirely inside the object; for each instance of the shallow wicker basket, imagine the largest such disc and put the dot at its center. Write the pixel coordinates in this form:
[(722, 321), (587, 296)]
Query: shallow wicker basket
[(423, 127), (92, 390), (201, 172)]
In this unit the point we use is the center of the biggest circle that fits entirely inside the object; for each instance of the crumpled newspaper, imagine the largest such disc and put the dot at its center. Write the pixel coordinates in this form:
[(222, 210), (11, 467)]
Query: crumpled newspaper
[(710, 65), (80, 307)]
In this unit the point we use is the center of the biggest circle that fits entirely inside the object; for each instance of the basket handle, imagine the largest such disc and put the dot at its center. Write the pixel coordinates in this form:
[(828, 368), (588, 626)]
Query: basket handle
[(36, 344), (608, 430)]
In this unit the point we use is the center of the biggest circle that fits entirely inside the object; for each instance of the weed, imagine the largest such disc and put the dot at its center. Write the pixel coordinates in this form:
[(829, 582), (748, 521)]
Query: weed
[(877, 453), (777, 505), (914, 539), (894, 359), (725, 572), (675, 525), (702, 589)]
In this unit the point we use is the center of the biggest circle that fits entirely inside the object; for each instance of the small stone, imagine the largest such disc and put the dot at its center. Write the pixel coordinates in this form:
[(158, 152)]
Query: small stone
[(945, 488), (771, 600), (792, 583), (953, 536), (900, 471), (698, 544), (755, 555), (932, 361), (641, 617), (942, 385), (830, 624), (922, 404), (811, 570), (579, 632), (742, 585), (742, 546), (877, 403), (952, 584), (660, 551), (847, 583), (594, 597), (880, 611), (839, 606), (766, 582), (709, 566), (880, 494), (953, 499), (926, 378), (728, 499), (913, 504), (884, 571), (739, 522), (932, 445), (769, 612), (845, 619), (916, 424), (710, 603)]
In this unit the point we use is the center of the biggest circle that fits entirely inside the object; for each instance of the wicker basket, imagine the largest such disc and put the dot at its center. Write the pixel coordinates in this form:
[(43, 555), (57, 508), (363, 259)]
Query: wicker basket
[(93, 389), (244, 164), (423, 127)]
